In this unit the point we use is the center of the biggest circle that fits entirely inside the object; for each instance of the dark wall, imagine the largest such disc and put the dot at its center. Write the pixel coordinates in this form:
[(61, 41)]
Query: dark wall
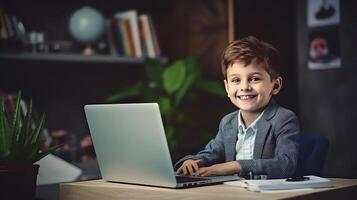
[(327, 98), (61, 89), (273, 21)]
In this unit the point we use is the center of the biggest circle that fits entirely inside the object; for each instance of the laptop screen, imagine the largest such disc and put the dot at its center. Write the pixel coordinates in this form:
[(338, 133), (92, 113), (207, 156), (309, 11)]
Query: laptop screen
[(130, 143)]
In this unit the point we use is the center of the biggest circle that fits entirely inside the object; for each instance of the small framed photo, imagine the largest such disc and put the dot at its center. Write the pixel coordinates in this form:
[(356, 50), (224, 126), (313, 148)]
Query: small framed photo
[(324, 51), (323, 12)]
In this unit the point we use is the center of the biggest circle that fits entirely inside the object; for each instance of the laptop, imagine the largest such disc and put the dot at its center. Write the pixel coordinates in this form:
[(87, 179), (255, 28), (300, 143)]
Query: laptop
[(131, 146)]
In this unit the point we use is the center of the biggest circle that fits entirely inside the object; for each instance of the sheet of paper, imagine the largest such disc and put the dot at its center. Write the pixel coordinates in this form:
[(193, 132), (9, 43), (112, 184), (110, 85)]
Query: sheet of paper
[(280, 191), (239, 183), (56, 170), (279, 185)]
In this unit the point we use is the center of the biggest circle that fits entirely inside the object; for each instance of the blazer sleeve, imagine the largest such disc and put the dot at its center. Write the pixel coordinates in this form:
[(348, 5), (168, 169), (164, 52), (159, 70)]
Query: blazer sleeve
[(284, 162), (212, 153)]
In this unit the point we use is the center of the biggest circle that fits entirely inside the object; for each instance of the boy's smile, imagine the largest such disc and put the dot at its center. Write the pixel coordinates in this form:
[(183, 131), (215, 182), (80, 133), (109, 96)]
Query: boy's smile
[(250, 87), (246, 97)]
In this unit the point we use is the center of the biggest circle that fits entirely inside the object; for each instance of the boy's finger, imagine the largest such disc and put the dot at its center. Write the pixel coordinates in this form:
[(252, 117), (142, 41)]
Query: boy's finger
[(179, 171), (203, 171), (190, 169), (184, 169), (195, 166), (200, 172), (198, 162)]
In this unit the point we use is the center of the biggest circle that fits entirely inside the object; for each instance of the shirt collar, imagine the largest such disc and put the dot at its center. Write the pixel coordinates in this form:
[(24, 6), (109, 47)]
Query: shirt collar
[(252, 127)]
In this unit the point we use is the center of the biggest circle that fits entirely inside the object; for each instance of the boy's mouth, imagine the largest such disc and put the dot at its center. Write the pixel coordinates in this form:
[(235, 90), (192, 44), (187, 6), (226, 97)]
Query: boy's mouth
[(246, 97)]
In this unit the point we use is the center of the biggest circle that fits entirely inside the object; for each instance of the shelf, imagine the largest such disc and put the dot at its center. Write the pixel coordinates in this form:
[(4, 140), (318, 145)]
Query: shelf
[(61, 57)]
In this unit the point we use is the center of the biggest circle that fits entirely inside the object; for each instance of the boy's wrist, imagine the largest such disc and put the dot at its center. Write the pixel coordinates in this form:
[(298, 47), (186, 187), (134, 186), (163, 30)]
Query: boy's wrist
[(237, 167), (233, 167)]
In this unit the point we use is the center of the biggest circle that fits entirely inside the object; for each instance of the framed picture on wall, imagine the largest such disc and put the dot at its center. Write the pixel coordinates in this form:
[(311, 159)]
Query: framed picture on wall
[(323, 12), (324, 51)]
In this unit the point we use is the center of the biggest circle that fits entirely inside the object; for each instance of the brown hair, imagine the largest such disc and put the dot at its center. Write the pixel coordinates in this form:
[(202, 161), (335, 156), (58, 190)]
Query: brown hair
[(248, 50)]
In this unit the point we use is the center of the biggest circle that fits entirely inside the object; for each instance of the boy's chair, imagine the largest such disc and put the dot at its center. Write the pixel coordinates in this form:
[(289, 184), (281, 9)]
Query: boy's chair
[(312, 154)]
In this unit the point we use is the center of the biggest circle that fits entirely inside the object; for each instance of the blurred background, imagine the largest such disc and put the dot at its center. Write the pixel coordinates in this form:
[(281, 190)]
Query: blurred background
[(65, 54)]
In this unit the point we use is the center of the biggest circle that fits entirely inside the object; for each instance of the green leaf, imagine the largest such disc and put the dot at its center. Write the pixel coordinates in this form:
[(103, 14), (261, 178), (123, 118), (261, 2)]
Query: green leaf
[(148, 94), (35, 136), (35, 147), (192, 66), (27, 126), (174, 76), (44, 153), (165, 105), (27, 151), (130, 91), (154, 70), (35, 140), (17, 121), (185, 87), (23, 140), (211, 87), (193, 71), (4, 131)]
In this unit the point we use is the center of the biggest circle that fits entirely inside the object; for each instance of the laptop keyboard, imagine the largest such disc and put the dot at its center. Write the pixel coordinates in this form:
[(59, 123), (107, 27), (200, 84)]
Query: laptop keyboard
[(185, 179)]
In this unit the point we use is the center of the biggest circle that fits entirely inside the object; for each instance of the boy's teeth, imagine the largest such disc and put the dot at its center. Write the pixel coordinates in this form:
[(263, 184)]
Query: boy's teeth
[(244, 97)]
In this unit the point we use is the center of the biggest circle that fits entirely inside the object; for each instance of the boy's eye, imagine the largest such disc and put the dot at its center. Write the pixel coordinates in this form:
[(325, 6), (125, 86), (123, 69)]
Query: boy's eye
[(235, 80), (254, 79)]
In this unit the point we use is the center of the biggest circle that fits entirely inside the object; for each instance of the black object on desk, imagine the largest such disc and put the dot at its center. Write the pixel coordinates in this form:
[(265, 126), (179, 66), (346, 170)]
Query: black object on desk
[(298, 178)]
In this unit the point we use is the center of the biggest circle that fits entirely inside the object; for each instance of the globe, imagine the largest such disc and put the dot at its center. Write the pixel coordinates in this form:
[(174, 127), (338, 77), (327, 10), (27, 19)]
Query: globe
[(86, 25)]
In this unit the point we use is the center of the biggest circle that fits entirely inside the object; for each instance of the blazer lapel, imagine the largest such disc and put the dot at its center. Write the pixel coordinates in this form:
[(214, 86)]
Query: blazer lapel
[(263, 128), (231, 139), (260, 138)]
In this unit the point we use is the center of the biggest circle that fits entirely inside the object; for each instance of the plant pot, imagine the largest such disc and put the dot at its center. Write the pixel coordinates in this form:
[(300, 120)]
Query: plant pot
[(18, 181)]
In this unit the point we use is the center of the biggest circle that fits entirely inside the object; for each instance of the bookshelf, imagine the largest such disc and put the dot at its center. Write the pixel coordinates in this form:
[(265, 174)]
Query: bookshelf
[(78, 58), (45, 32)]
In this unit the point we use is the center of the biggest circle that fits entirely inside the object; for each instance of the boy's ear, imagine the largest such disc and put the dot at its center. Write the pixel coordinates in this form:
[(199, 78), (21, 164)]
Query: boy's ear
[(226, 86), (278, 82)]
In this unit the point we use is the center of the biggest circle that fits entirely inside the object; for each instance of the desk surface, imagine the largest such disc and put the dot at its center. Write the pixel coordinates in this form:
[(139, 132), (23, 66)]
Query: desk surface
[(99, 189)]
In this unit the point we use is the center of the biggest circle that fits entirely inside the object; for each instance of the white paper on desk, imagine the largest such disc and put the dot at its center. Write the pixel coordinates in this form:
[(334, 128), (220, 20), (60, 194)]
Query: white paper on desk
[(280, 191), (282, 184), (56, 170), (239, 183)]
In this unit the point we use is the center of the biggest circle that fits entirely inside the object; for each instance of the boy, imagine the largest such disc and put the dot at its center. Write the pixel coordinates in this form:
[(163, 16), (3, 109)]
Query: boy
[(261, 137)]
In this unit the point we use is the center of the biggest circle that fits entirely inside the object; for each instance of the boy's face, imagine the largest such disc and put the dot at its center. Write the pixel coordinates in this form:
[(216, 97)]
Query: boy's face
[(250, 87)]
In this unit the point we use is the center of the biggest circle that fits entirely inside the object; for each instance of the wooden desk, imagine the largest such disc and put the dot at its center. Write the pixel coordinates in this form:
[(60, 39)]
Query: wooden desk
[(99, 189)]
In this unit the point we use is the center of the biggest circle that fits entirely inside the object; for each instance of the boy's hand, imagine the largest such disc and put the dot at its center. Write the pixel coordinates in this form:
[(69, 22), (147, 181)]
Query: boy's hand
[(227, 168), (189, 167)]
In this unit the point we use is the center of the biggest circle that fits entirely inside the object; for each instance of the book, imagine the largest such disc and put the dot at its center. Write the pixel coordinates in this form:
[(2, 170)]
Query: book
[(142, 38), (154, 36), (111, 37), (132, 16), (9, 25), (149, 43), (282, 184), (128, 51), (117, 37), (3, 31), (129, 36)]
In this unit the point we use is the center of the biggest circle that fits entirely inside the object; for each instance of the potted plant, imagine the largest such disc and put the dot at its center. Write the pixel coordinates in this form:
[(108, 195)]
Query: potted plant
[(20, 148), (175, 87)]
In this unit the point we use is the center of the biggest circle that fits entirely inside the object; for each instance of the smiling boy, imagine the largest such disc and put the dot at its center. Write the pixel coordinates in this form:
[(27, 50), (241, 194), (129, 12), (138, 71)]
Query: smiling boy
[(261, 136)]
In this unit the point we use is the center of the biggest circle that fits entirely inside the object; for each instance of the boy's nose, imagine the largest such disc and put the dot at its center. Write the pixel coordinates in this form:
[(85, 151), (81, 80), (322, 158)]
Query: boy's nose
[(245, 86)]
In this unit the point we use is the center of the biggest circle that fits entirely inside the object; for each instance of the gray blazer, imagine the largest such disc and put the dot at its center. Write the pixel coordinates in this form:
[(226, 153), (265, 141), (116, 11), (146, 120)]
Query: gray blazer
[(275, 150)]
